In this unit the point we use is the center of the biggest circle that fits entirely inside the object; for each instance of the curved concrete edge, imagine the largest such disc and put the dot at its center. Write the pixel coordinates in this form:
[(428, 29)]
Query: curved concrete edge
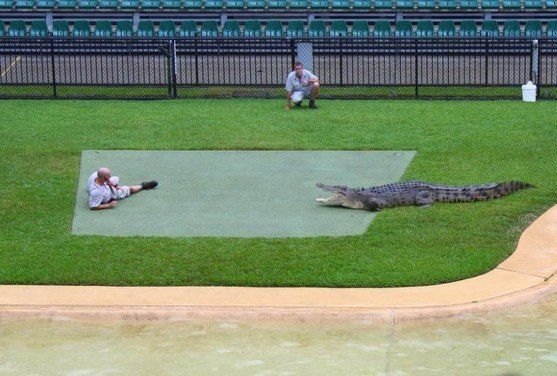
[(526, 276)]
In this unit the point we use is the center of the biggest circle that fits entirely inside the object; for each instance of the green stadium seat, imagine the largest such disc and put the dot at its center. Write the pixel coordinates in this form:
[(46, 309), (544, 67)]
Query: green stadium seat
[(490, 4), (425, 29), (362, 4), (231, 28), (468, 29), (124, 28), (273, 28), (511, 4), (339, 29), (533, 4), (81, 29), (87, 4), (38, 28), (103, 29), (209, 28), (193, 4), (67, 4), (45, 4), (234, 4), (382, 29), (17, 28), (145, 29), (403, 29), (25, 4), (360, 29), (340, 4), (426, 4), (6, 4), (383, 4), (188, 28), (511, 29), (551, 30), (298, 4), (2, 26), (551, 4), (295, 29), (108, 4), (166, 29), (447, 4), (60, 28), (404, 4), (469, 4), (171, 4), (129, 4), (277, 4), (256, 4), (213, 4), (320, 4), (317, 28), (533, 29), (252, 28), (150, 4), (490, 29), (446, 29)]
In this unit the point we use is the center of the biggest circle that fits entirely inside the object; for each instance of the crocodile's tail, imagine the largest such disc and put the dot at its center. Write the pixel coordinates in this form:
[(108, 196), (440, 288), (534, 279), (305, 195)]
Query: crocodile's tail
[(481, 192)]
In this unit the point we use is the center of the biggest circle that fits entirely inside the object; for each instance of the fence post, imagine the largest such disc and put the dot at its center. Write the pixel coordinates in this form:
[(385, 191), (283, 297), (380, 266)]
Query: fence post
[(196, 61), (486, 62), (534, 65), (53, 69), (416, 70), (340, 65), (174, 68), (292, 53)]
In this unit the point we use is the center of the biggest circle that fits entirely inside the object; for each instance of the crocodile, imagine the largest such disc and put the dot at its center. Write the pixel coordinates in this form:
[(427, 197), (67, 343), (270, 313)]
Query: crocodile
[(414, 193)]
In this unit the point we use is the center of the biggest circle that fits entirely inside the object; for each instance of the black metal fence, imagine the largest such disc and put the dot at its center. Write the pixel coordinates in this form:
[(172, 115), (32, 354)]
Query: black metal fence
[(257, 67)]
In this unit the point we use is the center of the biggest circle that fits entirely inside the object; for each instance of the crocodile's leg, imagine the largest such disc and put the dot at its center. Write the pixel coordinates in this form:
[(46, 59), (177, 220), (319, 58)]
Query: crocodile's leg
[(424, 198)]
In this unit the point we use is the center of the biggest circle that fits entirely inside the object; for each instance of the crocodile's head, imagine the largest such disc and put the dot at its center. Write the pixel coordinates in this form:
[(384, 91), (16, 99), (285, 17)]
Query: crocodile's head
[(347, 197)]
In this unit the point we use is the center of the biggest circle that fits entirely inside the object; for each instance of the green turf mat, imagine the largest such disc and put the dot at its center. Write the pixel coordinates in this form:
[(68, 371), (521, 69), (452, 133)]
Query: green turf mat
[(234, 193)]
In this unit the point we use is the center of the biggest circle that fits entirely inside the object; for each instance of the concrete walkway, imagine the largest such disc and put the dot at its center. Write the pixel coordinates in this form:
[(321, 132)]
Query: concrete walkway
[(527, 275)]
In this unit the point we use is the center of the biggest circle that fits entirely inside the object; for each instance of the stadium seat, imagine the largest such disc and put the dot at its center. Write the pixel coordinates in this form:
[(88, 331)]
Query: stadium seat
[(404, 4), (277, 4), (231, 28), (446, 29), (551, 30), (146, 29), (129, 4), (188, 28), (17, 28), (447, 4), (6, 4), (511, 4), (213, 4), (256, 4), (166, 29), (67, 4), (425, 29), (490, 4), (193, 4), (87, 4), (234, 4), (339, 29), (469, 4), (490, 29), (124, 28), (320, 4), (533, 29), (108, 4), (252, 28), (340, 4), (171, 4), (360, 29), (298, 4), (45, 4), (2, 26), (60, 28), (468, 29), (25, 4), (383, 4), (551, 4), (403, 29), (273, 28), (81, 29), (511, 29), (150, 4), (426, 4), (317, 29), (295, 29), (209, 28), (362, 4), (103, 29), (38, 28), (382, 29), (533, 4)]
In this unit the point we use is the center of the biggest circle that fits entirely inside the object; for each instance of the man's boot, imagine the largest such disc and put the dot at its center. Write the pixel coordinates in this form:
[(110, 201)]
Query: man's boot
[(149, 184), (312, 104)]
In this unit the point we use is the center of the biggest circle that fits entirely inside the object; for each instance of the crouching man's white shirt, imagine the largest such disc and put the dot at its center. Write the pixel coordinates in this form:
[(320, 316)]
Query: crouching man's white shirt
[(98, 194)]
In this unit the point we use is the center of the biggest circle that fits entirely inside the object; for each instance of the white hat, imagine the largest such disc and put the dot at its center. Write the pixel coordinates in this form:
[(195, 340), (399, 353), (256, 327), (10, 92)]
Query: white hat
[(115, 180)]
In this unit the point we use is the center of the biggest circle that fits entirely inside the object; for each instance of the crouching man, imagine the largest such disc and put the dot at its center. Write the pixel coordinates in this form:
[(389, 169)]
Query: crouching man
[(105, 190), (301, 84)]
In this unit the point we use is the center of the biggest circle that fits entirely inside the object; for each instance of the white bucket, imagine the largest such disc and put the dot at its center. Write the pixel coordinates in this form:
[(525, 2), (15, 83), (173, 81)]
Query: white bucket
[(529, 92)]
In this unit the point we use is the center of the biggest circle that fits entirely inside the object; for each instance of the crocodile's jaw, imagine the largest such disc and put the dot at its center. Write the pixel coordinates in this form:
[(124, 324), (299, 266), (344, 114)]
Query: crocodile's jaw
[(341, 200)]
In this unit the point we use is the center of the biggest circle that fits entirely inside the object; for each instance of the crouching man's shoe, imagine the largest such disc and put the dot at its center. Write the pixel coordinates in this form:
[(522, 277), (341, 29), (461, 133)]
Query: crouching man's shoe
[(149, 184), (312, 104)]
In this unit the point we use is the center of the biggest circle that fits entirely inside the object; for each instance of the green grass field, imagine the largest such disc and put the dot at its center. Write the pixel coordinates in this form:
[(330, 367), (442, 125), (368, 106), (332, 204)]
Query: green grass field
[(457, 143)]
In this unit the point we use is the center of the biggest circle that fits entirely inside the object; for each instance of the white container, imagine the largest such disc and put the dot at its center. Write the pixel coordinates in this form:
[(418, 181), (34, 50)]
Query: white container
[(529, 92)]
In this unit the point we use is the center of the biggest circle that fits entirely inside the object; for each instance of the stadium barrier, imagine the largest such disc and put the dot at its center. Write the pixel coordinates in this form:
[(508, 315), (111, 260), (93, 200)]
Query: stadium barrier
[(348, 68)]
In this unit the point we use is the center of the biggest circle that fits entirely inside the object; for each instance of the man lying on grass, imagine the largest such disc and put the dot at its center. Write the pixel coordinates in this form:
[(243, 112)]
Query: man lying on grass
[(105, 190)]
